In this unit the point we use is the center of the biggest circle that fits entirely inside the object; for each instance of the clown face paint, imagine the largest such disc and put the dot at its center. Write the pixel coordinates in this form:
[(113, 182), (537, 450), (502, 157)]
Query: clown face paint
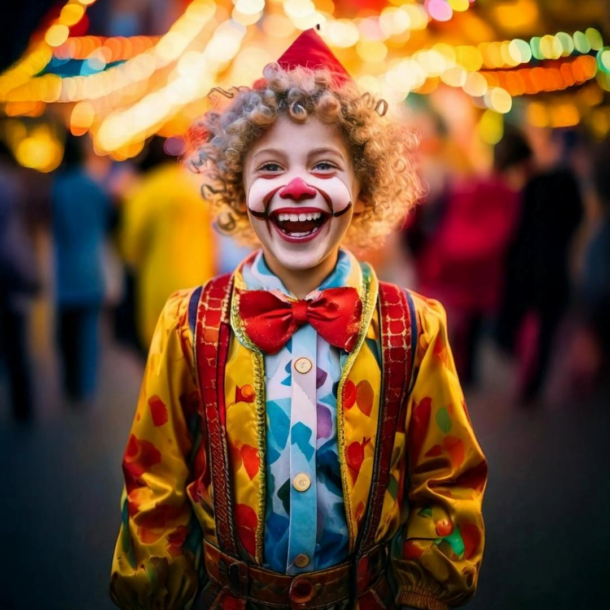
[(301, 190)]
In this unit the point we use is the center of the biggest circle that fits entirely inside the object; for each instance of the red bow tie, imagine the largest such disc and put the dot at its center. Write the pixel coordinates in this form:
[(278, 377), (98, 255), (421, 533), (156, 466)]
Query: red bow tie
[(270, 321)]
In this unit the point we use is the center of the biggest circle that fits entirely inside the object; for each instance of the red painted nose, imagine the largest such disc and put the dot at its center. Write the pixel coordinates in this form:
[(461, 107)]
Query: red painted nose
[(297, 190)]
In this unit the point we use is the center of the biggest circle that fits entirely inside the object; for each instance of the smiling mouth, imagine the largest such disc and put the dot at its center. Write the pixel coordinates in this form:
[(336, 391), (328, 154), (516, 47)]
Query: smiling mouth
[(298, 223)]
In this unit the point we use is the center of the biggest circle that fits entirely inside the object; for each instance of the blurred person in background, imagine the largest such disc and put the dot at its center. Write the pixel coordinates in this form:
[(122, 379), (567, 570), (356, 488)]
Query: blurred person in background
[(166, 236), (81, 211), (19, 282), (461, 260), (537, 275), (591, 362)]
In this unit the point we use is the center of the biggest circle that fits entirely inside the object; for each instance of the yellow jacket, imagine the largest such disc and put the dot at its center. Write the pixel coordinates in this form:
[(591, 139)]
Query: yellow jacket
[(431, 515)]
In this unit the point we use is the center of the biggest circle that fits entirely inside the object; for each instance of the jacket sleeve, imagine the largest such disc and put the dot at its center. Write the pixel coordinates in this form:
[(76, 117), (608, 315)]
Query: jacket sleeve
[(436, 558), (156, 560)]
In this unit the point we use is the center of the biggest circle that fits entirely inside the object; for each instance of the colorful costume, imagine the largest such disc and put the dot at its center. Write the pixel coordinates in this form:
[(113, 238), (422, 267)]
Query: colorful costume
[(202, 459)]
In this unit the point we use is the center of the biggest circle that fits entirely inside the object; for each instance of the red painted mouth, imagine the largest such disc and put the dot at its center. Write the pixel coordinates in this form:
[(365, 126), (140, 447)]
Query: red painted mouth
[(299, 224)]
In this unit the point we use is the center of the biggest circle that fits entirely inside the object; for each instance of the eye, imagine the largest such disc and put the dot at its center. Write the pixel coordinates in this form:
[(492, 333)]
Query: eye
[(270, 168), (324, 166)]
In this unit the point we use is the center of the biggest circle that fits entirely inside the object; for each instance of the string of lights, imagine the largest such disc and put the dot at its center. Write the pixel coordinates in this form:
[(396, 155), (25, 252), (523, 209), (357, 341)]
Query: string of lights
[(122, 90)]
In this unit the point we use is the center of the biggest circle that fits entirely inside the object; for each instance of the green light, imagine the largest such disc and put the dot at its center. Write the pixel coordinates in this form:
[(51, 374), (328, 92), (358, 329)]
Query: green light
[(594, 38), (581, 43), (535, 46), (567, 43)]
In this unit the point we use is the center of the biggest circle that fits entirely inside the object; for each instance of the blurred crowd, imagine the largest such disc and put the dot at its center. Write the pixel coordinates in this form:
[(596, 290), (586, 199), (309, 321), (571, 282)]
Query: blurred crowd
[(519, 255)]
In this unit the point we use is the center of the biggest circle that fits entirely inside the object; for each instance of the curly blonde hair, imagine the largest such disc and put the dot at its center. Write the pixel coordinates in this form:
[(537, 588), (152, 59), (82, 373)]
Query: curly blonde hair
[(383, 152)]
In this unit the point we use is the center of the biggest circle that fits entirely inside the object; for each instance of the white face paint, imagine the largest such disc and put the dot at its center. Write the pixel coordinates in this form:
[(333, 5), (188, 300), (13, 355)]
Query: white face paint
[(300, 188)]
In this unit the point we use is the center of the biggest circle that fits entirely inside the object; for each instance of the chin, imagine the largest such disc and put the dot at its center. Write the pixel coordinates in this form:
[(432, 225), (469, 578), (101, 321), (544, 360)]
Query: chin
[(302, 256)]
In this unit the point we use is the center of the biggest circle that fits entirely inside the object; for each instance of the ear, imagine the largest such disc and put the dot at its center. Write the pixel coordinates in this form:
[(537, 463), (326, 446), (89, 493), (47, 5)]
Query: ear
[(362, 201)]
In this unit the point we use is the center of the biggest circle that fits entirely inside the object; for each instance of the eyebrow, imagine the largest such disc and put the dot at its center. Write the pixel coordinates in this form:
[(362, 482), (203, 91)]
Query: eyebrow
[(268, 151), (325, 150)]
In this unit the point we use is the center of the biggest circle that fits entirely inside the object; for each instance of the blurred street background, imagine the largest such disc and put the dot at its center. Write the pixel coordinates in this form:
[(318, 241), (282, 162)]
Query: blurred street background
[(100, 223)]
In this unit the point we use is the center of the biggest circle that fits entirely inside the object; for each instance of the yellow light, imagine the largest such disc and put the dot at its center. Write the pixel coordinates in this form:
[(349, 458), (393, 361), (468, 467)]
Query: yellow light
[(567, 43), (394, 21), (516, 16), (49, 88), (447, 51), (418, 16), (31, 109), (520, 51), (87, 2), (491, 127), (564, 115), (492, 54), (600, 123), (250, 7), (299, 9), (40, 152), (550, 47), (224, 44), (407, 76), (279, 26), (71, 14), (341, 33), (537, 115), (499, 100), (82, 118), (475, 84), (370, 28), (140, 67), (246, 18), (603, 80), (371, 50), (200, 11), (507, 57), (459, 5), (454, 77), (469, 57), (369, 83), (56, 35), (433, 63)]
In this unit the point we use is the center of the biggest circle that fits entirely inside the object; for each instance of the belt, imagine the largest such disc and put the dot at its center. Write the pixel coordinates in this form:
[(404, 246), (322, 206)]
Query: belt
[(307, 591)]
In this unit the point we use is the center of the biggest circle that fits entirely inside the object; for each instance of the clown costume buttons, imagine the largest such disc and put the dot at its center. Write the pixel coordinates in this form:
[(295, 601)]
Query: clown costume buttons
[(301, 482), (303, 365), (301, 561)]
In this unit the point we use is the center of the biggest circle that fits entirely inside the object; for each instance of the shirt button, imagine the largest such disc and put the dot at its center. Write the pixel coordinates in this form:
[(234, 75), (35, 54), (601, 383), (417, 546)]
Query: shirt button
[(301, 482), (301, 561), (303, 365)]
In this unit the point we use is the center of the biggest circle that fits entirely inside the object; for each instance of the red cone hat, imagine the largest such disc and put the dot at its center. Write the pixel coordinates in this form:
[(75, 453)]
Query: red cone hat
[(310, 51)]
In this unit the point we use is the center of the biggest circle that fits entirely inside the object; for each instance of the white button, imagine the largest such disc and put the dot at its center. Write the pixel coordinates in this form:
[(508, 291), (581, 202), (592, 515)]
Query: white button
[(303, 365), (301, 561), (301, 482)]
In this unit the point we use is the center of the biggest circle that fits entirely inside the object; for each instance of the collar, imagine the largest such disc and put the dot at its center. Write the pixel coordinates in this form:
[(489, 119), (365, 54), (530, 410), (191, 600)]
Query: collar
[(254, 274)]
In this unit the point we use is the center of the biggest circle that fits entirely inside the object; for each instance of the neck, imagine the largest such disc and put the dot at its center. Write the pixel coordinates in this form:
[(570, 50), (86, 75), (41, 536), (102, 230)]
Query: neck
[(301, 282)]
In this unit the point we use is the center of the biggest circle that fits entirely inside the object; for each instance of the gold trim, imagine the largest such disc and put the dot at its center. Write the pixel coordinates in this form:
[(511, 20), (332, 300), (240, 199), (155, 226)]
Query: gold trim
[(368, 294), (258, 362)]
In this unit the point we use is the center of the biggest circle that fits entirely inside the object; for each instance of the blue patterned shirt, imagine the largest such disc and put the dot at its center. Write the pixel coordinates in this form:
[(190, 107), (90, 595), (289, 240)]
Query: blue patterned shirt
[(305, 524)]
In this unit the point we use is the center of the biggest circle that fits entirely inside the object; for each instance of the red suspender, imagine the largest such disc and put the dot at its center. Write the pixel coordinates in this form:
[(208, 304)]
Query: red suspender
[(211, 350), (398, 336), (398, 332)]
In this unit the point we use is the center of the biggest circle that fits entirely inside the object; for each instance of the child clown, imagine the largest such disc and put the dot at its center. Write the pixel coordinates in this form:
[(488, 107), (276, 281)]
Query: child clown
[(301, 439)]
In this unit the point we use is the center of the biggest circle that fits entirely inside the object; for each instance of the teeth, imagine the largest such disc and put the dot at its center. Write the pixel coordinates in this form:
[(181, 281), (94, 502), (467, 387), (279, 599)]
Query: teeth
[(302, 217), (300, 234)]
